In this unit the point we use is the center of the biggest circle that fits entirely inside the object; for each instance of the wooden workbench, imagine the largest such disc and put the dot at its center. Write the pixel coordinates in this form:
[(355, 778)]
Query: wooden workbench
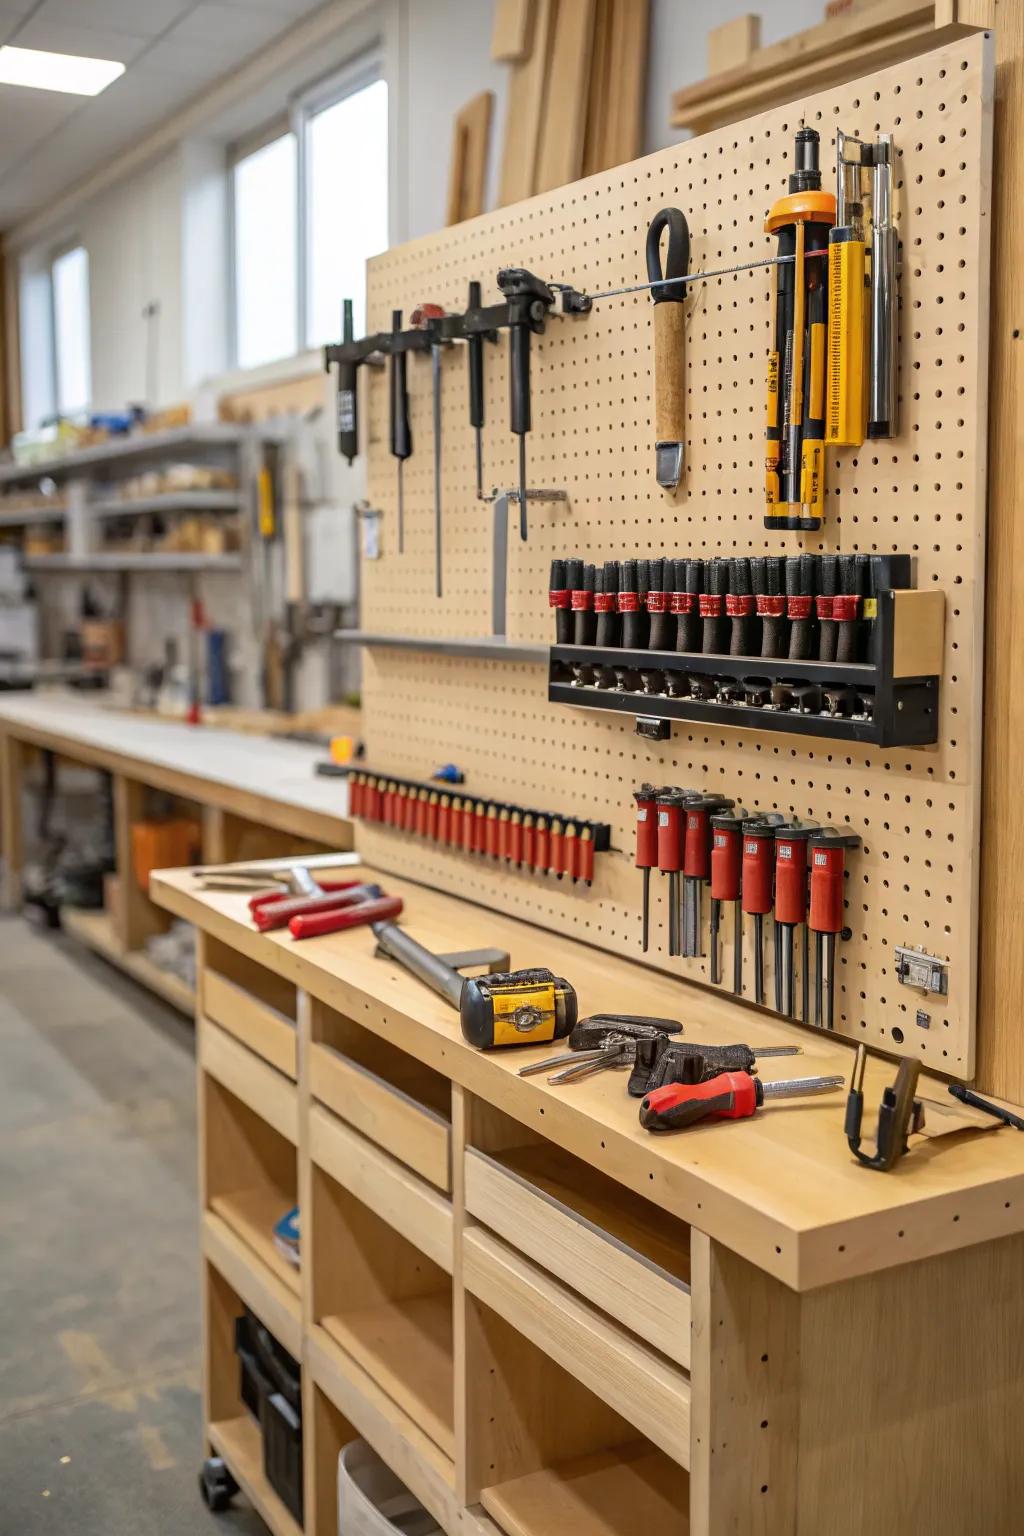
[(546, 1319), (256, 797)]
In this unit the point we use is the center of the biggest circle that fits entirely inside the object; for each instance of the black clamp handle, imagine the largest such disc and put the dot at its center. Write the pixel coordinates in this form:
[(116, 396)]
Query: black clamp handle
[(677, 257)]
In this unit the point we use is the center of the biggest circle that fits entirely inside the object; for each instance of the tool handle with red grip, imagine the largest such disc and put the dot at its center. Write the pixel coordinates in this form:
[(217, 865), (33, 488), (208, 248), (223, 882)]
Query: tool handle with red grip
[(556, 861), (670, 838), (271, 898), (542, 845), (758, 859), (585, 856), (790, 879), (726, 858), (313, 924), (515, 839), (696, 849), (281, 913), (729, 1096), (825, 914), (646, 828)]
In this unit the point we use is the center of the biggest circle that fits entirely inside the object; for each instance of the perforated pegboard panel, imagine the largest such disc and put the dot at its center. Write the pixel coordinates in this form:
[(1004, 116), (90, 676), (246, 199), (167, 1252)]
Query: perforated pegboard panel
[(914, 880)]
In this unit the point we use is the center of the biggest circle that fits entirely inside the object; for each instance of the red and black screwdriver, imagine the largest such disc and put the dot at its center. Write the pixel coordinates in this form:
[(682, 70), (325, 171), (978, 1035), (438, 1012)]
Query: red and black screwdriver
[(756, 893), (827, 852), (729, 1096), (671, 804), (646, 847), (726, 863), (790, 909), (697, 865)]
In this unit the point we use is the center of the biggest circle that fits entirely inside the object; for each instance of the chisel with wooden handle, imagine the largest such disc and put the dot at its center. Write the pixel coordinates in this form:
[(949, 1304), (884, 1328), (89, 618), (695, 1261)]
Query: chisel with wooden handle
[(669, 322)]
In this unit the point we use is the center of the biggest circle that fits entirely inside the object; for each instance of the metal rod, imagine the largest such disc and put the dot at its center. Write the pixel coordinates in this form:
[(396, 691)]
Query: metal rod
[(758, 958), (401, 511), (523, 498), (701, 277), (436, 372), (798, 1087), (716, 971), (737, 952), (434, 972)]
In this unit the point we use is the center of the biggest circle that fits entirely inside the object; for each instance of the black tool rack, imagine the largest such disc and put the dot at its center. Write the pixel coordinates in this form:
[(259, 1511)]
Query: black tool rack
[(904, 711)]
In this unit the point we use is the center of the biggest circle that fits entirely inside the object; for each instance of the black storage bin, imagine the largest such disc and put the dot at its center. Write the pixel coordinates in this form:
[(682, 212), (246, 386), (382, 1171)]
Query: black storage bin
[(271, 1388), (282, 1451)]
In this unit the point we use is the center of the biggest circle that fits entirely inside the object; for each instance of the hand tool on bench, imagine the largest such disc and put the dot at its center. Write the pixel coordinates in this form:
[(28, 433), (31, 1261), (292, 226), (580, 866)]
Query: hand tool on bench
[(660, 1060), (669, 334), (670, 804), (827, 852), (601, 1033), (311, 924), (401, 431), (968, 1096), (428, 317), (295, 874), (264, 899), (523, 1007), (899, 1116), (729, 1096), (278, 914)]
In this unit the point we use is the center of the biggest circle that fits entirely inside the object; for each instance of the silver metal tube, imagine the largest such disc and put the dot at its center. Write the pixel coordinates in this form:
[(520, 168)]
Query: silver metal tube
[(798, 1087), (882, 403), (421, 962)]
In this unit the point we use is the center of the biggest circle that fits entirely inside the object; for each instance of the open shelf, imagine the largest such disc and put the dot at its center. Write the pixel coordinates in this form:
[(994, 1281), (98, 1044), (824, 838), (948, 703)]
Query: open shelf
[(251, 1003), (168, 501), (545, 1453), (252, 1215), (130, 446), (158, 560), (631, 1490), (95, 929), (406, 1347), (386, 1094), (483, 648), (386, 1305), (240, 1443)]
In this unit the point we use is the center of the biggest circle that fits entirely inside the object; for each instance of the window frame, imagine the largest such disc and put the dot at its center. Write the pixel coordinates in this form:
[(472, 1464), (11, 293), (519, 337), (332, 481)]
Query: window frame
[(56, 252), (275, 128)]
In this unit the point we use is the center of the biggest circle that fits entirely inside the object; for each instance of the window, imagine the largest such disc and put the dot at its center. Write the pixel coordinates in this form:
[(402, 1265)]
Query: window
[(69, 279), (346, 202), (265, 187)]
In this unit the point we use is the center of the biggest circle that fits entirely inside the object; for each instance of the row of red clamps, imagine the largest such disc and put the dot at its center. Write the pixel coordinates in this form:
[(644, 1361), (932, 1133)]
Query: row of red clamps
[(536, 841)]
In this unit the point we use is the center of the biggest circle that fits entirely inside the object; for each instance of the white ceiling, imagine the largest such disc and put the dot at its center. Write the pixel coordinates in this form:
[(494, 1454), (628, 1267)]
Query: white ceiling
[(174, 50)]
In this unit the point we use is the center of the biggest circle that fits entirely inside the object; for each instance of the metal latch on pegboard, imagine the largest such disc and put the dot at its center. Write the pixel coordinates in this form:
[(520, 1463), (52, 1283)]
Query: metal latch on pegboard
[(916, 969), (499, 559)]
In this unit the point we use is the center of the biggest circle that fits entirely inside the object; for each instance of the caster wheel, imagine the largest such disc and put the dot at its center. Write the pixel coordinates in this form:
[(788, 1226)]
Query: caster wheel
[(216, 1484)]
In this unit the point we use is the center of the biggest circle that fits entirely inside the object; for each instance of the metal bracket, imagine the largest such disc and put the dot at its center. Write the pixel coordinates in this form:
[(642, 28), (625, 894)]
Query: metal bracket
[(499, 561), (493, 961), (916, 969)]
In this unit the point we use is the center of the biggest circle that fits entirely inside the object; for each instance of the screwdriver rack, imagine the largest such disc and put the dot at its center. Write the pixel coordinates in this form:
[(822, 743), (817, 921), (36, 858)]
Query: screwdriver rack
[(893, 698), (922, 494)]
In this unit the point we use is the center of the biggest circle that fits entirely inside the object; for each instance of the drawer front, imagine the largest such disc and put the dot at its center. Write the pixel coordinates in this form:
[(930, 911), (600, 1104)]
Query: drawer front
[(262, 1028), (394, 1194), (594, 1261), (408, 1130), (266, 1091), (631, 1378)]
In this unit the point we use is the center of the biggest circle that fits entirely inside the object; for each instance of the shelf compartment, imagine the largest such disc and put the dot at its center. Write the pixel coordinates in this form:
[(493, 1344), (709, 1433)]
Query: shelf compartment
[(158, 560), (240, 1443), (274, 1303), (252, 1004), (589, 1232), (386, 1304), (166, 501), (630, 1490), (251, 1214), (384, 1424), (636, 1382), (271, 1095), (136, 445), (96, 930), (903, 677), (401, 1199), (386, 1094)]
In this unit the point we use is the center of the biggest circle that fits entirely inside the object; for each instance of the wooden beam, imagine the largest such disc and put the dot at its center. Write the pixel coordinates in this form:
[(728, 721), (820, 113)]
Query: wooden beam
[(471, 142), (732, 45), (524, 112), (560, 157), (12, 844), (512, 34)]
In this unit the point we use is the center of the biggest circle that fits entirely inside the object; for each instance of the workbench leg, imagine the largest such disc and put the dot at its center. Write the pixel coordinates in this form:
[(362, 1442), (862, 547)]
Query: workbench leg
[(12, 841), (138, 919), (744, 1408)]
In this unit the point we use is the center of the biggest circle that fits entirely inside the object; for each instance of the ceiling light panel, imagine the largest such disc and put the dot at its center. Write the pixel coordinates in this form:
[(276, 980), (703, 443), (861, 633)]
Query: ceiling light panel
[(71, 73)]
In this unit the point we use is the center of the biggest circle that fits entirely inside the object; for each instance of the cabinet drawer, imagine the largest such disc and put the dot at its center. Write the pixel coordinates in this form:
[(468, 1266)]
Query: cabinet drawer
[(267, 1092), (630, 1377), (259, 1025), (617, 1250), (392, 1114)]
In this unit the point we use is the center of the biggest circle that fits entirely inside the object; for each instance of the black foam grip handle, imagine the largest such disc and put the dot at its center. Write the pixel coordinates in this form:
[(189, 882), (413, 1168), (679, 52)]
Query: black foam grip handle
[(686, 1112), (475, 351), (519, 379)]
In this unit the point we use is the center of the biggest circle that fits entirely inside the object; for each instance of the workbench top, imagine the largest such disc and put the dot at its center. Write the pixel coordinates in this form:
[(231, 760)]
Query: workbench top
[(782, 1188), (246, 767)]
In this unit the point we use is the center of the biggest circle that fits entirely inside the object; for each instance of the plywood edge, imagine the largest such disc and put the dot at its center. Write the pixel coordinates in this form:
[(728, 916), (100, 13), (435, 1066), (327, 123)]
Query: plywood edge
[(386, 1186), (273, 1303), (267, 1092), (256, 1024), (419, 1136), (919, 632)]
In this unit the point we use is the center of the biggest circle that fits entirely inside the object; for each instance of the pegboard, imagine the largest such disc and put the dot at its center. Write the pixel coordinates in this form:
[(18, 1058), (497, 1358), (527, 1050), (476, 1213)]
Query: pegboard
[(914, 881)]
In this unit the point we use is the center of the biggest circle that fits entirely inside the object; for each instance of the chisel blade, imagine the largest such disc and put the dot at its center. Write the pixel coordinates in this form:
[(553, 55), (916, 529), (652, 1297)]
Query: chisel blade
[(668, 460)]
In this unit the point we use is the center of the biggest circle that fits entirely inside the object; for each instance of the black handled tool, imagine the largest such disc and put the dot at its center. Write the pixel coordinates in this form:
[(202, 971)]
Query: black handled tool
[(429, 318), (348, 409), (660, 1060), (968, 1096), (401, 431), (899, 1114), (526, 317), (669, 330), (475, 355), (729, 1096)]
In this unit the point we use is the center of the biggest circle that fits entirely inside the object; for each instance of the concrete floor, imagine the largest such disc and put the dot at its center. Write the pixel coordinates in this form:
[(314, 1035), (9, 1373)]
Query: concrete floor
[(100, 1431)]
